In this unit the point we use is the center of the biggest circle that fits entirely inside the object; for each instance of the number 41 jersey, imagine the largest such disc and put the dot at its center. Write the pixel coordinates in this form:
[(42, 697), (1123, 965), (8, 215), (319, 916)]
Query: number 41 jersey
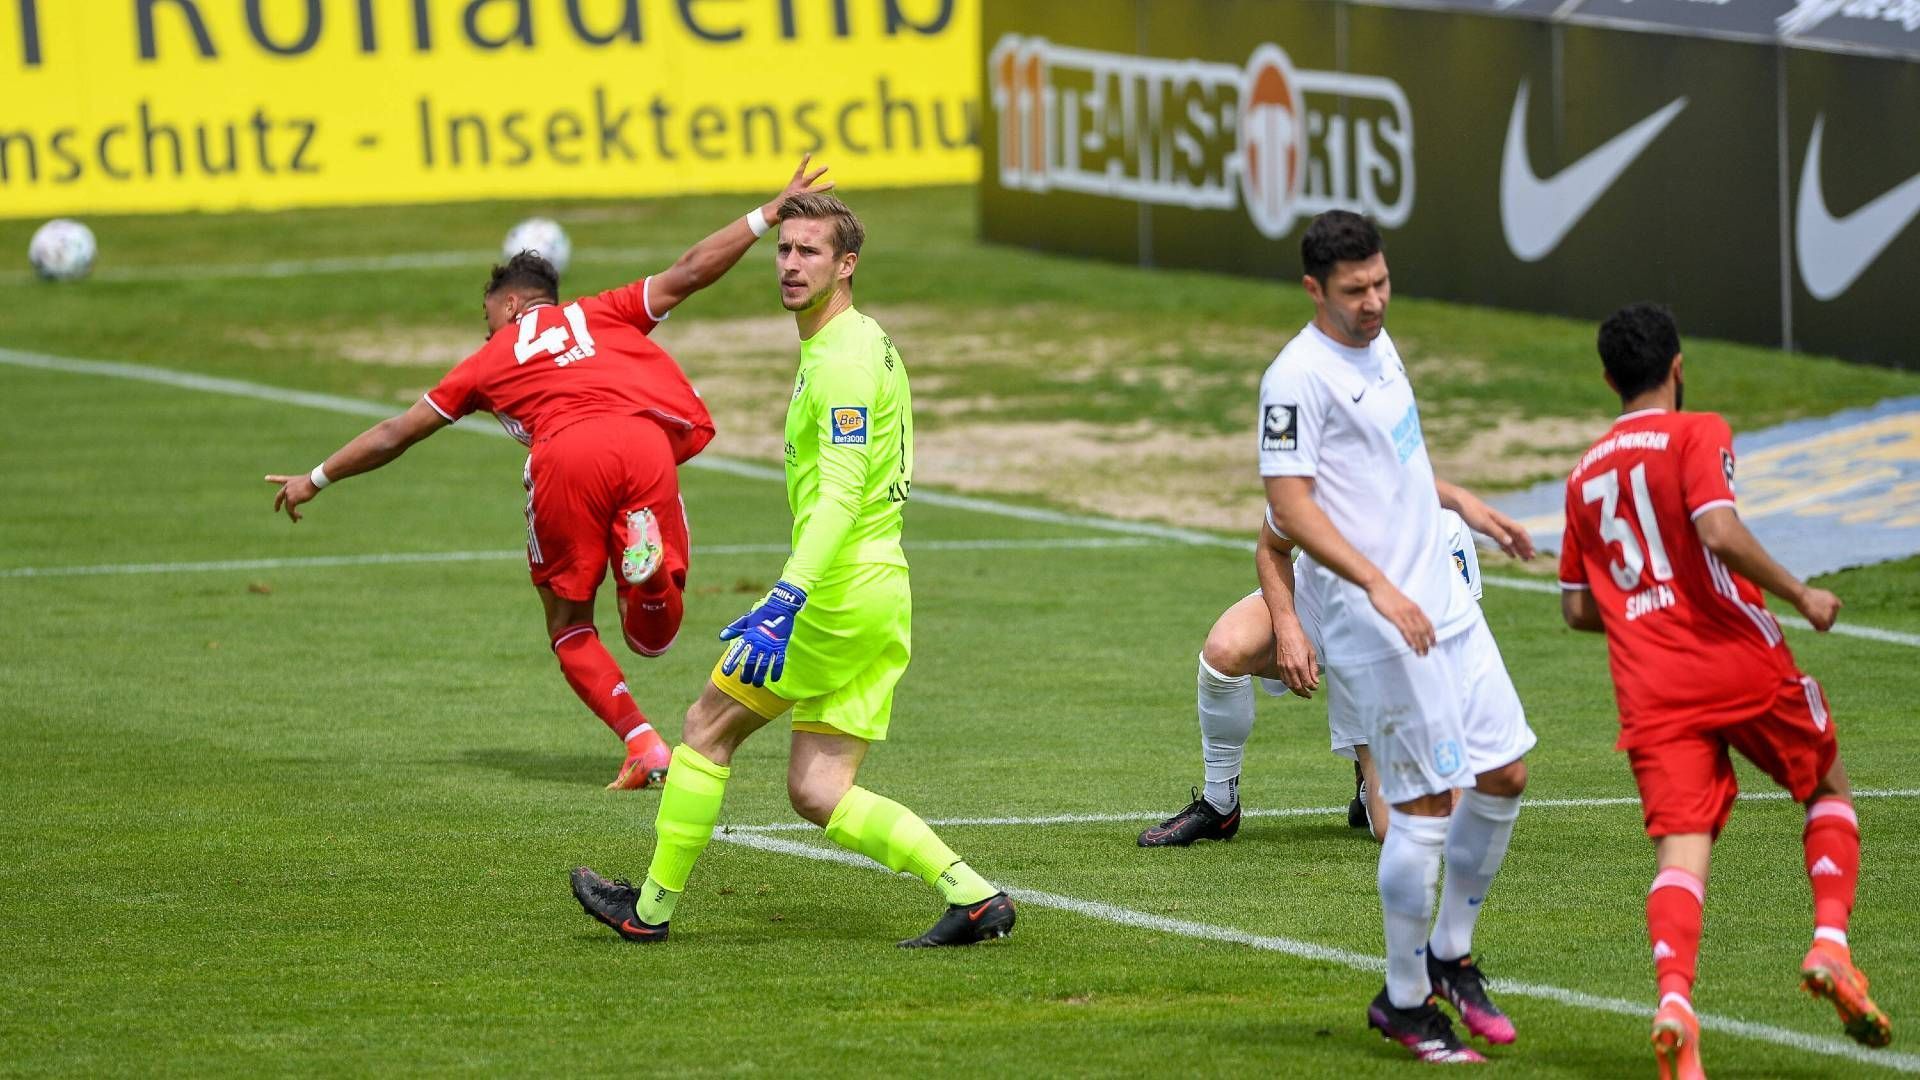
[(1691, 643), (559, 364)]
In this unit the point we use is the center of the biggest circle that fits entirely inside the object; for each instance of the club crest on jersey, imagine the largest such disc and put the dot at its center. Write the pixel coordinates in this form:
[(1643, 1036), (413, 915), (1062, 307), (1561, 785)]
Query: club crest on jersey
[(1726, 465), (849, 425), (1460, 566), (1280, 428)]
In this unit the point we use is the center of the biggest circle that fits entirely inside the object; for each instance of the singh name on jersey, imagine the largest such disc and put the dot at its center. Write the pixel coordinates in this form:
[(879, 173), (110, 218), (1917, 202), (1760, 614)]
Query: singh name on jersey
[(1690, 641)]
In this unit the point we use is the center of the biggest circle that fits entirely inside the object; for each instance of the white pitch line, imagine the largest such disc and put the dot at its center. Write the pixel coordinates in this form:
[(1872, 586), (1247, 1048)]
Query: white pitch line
[(396, 558), (713, 463), (1112, 816), (1871, 633), (1090, 908), (1307, 950)]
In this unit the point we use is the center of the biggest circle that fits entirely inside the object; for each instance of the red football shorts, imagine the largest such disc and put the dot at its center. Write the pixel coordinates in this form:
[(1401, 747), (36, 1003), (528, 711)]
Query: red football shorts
[(581, 484), (1687, 783)]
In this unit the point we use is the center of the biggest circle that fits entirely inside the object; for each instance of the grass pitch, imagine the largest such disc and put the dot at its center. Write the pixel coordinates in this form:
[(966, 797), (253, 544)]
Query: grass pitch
[(294, 818)]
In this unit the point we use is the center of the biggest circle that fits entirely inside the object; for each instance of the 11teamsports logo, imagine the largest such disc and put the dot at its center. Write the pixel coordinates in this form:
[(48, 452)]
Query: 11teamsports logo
[(1278, 141)]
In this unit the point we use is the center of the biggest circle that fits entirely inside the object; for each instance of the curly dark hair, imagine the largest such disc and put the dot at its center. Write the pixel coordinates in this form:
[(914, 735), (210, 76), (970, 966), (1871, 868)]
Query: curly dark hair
[(1637, 347), (1337, 236), (528, 270)]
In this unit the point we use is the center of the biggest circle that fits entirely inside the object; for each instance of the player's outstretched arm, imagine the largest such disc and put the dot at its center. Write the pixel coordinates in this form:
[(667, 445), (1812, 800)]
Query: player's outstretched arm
[(1724, 534), (1290, 501), (1292, 649), (706, 261), (1485, 520), (367, 451), (1581, 612)]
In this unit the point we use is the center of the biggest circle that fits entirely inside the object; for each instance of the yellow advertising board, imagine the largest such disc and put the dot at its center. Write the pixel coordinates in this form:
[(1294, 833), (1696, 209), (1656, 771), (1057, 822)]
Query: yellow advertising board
[(159, 105)]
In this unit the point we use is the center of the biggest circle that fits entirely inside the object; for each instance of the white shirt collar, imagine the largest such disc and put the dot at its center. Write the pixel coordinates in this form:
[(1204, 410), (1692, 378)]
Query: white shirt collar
[(1636, 414)]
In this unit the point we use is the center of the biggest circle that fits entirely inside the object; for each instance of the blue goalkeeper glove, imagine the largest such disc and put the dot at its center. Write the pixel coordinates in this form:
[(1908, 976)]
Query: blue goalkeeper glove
[(760, 636)]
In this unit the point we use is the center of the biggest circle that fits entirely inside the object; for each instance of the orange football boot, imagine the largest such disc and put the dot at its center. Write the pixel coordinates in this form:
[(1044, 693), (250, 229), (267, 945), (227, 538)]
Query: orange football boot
[(1828, 972), (1676, 1041), (644, 767)]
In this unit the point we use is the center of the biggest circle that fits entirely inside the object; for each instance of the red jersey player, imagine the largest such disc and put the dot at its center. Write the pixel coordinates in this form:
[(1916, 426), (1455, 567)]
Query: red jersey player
[(607, 416), (1656, 557)]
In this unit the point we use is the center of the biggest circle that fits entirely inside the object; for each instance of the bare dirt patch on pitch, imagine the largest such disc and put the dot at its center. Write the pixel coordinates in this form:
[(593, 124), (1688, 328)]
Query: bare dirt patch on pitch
[(1129, 418), (1501, 452), (438, 347)]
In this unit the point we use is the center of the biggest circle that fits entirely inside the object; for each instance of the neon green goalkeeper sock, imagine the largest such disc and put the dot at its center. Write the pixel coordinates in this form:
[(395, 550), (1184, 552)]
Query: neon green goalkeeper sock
[(896, 838), (689, 808)]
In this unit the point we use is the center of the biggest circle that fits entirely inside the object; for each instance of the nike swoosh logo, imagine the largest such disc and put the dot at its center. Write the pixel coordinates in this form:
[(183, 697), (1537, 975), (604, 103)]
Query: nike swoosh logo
[(1834, 252), (630, 927), (1537, 214), (1358, 396), (974, 915)]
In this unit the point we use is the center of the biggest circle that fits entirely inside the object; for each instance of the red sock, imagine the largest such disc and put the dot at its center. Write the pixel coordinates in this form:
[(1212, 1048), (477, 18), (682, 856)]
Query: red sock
[(1832, 841), (1673, 925), (652, 618), (594, 676)]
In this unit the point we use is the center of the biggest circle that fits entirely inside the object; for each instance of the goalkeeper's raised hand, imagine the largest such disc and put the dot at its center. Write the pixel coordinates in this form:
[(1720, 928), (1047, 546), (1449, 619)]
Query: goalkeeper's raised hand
[(760, 636)]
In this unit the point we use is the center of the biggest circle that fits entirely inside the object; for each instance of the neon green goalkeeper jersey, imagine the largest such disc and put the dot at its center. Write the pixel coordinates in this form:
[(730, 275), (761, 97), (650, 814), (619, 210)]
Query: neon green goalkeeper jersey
[(849, 451)]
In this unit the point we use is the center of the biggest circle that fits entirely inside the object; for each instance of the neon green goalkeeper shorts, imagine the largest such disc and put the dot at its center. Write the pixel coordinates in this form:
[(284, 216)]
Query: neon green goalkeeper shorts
[(850, 645)]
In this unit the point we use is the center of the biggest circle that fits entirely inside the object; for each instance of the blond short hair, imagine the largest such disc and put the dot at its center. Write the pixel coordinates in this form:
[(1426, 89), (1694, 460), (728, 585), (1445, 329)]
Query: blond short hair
[(848, 233)]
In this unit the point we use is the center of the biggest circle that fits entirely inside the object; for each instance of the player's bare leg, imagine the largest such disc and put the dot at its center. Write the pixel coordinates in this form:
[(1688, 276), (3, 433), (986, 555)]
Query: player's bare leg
[(1377, 810), (821, 771), (598, 681), (1239, 646), (1832, 844)]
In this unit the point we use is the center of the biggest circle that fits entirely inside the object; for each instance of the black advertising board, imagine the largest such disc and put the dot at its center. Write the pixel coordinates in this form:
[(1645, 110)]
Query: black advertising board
[(1538, 192), (1891, 26), (1692, 215), (1854, 166), (1039, 182), (1517, 162), (1274, 67), (1753, 20), (1540, 9)]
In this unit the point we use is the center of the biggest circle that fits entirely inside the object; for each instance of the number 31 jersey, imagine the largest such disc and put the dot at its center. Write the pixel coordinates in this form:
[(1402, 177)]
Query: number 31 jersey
[(1691, 643), (559, 364)]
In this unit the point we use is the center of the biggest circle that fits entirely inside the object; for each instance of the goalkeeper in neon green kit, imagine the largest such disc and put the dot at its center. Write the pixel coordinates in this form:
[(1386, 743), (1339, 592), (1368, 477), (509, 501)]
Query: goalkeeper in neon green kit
[(832, 637)]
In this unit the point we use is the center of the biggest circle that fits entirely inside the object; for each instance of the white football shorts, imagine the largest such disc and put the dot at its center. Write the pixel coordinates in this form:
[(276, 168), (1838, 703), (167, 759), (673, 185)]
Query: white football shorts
[(1434, 722)]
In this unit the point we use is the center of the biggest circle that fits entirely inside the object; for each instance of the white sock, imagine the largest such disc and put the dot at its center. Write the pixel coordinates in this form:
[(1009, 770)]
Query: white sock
[(1226, 719), (1476, 844), (1409, 869)]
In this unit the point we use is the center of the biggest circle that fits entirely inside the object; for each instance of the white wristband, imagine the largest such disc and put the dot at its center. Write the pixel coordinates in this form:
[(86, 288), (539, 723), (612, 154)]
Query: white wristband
[(757, 223), (319, 476)]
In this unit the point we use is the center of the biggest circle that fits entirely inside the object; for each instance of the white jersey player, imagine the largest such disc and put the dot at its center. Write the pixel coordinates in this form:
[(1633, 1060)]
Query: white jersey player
[(1349, 482)]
